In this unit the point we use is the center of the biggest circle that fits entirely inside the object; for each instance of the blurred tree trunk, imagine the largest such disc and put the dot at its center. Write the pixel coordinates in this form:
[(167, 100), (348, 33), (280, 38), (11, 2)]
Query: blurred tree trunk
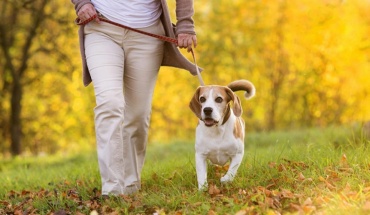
[(15, 118), (278, 66), (17, 56)]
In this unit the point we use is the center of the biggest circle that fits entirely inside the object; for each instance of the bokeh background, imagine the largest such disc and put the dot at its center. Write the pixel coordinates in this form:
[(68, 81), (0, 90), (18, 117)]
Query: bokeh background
[(309, 61)]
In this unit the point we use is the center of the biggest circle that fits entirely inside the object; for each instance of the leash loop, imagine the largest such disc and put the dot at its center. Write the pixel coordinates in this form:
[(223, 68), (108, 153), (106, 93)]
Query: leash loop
[(197, 68), (164, 38)]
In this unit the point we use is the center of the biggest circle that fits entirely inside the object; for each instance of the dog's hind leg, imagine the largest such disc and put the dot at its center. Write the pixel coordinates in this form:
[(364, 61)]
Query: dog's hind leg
[(201, 168), (233, 168)]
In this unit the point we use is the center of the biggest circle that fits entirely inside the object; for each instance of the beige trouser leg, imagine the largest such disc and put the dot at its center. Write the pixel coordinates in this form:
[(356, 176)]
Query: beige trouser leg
[(124, 67)]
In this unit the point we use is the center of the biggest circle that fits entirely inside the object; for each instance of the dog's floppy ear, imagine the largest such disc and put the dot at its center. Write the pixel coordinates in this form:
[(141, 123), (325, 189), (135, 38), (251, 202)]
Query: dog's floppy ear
[(237, 107), (195, 105)]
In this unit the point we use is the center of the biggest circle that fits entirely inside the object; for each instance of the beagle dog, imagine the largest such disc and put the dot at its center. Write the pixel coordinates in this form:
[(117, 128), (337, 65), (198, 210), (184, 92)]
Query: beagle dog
[(220, 131)]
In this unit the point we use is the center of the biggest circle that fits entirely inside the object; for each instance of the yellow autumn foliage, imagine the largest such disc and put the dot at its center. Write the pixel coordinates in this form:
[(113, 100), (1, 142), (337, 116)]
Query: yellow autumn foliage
[(309, 61)]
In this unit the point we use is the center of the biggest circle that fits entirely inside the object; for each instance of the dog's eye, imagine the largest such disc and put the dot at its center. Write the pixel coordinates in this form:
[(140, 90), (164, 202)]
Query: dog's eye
[(202, 99), (219, 100)]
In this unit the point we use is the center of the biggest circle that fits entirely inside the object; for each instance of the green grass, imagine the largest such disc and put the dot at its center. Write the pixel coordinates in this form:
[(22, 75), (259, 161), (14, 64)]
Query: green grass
[(295, 172)]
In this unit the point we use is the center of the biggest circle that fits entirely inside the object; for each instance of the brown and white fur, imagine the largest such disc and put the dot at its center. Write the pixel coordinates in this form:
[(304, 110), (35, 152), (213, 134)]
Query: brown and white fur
[(220, 131)]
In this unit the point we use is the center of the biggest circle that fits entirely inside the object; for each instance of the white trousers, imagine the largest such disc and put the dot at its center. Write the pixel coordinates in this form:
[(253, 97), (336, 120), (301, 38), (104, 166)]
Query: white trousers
[(123, 66)]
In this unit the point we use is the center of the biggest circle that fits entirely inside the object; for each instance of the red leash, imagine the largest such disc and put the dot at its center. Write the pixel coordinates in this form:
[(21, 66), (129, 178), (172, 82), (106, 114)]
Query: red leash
[(167, 39), (164, 38)]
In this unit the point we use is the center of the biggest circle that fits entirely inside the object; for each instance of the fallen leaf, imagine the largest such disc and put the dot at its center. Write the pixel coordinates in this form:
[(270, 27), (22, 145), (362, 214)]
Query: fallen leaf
[(25, 192), (178, 213), (286, 194), (5, 203), (320, 200), (308, 201), (301, 177), (94, 212), (61, 212), (213, 190), (281, 168), (322, 179), (211, 212), (346, 169), (241, 212), (308, 209), (272, 164), (159, 212), (330, 186), (343, 161)]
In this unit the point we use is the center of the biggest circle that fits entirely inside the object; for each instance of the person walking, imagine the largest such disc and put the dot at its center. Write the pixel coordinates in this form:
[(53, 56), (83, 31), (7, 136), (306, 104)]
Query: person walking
[(123, 66)]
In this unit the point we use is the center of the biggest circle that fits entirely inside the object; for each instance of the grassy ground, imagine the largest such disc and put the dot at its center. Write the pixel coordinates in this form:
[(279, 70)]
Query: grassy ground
[(315, 171)]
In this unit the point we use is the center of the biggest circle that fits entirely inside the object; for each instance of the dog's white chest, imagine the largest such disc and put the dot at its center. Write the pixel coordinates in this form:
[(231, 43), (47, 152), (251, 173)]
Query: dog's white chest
[(217, 144)]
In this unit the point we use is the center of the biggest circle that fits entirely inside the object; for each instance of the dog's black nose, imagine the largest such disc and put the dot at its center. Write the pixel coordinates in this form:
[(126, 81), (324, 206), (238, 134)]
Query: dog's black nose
[(207, 110)]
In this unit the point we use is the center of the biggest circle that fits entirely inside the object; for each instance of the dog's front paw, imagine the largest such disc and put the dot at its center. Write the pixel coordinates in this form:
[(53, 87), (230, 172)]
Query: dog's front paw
[(227, 178), (203, 187)]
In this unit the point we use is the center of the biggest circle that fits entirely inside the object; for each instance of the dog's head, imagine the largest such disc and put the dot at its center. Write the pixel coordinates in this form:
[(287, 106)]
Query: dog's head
[(212, 103)]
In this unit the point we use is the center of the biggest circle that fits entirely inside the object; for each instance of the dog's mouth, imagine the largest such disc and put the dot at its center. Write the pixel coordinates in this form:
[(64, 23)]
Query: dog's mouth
[(210, 122)]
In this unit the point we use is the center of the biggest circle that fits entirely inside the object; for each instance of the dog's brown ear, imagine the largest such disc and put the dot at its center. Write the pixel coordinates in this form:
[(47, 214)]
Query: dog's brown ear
[(237, 107), (195, 105)]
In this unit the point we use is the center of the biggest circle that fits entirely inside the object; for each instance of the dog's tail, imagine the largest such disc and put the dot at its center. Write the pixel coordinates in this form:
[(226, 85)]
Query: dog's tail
[(243, 85)]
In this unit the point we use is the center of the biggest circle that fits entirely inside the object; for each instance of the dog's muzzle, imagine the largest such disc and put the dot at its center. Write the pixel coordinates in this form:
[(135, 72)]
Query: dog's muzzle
[(208, 120)]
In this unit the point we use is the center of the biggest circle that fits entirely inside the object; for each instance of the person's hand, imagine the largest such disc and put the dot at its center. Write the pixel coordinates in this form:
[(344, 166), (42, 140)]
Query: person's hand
[(187, 41), (86, 12)]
